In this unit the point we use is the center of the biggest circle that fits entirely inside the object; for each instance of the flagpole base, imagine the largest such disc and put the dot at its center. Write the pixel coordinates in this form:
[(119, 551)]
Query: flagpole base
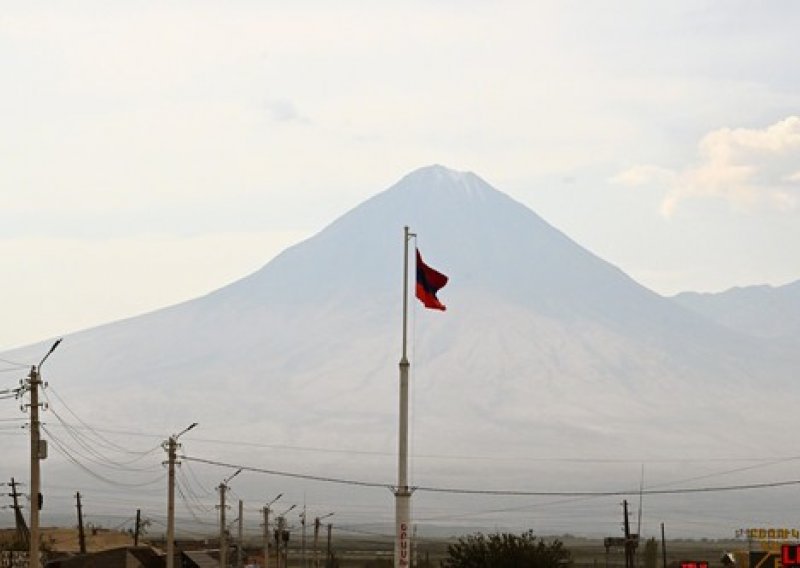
[(402, 548)]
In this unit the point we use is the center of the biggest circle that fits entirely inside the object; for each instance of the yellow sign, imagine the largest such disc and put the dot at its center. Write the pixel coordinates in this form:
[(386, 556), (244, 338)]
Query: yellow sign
[(768, 534)]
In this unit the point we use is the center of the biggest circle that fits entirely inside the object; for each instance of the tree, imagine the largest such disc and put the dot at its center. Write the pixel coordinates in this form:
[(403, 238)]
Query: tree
[(506, 550)]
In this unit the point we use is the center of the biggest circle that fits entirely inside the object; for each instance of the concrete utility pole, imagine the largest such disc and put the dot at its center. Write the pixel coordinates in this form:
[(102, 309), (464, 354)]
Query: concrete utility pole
[(316, 538), (266, 529), (81, 534), (23, 534), (328, 557), (282, 539), (241, 535), (265, 510), (628, 539), (171, 446), (223, 540), (279, 544), (136, 530), (38, 453), (303, 538), (277, 535)]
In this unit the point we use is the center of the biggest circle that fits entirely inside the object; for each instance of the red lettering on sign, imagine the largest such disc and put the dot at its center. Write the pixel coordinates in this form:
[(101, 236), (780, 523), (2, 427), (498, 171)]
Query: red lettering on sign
[(790, 555)]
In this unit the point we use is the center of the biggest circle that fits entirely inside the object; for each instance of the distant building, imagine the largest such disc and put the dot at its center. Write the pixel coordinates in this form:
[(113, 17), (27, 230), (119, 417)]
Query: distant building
[(125, 557)]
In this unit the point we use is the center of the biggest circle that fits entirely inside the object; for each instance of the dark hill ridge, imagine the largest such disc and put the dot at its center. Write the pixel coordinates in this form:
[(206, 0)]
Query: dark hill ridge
[(544, 347)]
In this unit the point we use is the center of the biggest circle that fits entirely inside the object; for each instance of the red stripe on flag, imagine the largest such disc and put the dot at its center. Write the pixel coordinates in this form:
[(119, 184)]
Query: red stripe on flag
[(429, 281)]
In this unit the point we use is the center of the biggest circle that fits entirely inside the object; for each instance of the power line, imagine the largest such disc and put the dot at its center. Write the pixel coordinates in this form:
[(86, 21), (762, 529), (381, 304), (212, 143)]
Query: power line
[(96, 457), (289, 474), (108, 443), (66, 453), (438, 456), (686, 490), (504, 492)]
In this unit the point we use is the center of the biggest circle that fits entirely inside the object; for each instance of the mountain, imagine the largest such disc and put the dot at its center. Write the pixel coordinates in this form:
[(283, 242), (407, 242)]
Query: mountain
[(760, 311), (551, 369)]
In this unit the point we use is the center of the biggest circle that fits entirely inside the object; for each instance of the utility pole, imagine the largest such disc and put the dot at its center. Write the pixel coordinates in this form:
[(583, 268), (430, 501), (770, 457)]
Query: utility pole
[(223, 540), (241, 535), (303, 538), (23, 534), (316, 542), (316, 538), (279, 542), (38, 453), (81, 534), (171, 446), (266, 529), (663, 548), (328, 557), (34, 381), (282, 539), (628, 539), (138, 524), (265, 510)]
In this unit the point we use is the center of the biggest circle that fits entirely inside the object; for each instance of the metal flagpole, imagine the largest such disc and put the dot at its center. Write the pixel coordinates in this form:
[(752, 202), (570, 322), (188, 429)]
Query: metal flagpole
[(402, 495)]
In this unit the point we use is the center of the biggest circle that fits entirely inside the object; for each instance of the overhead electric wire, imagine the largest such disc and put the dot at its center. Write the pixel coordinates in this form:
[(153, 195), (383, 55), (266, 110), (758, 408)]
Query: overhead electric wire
[(504, 492), (727, 472), (289, 474), (189, 506), (182, 482), (11, 393), (66, 453), (99, 458), (540, 504), (623, 493), (15, 363), (190, 469), (191, 533), (122, 524), (439, 456), (110, 444)]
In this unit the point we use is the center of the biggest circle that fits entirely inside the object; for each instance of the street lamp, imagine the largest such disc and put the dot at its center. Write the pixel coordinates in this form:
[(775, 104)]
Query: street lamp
[(266, 529), (38, 453), (223, 541), (316, 537), (281, 538), (171, 446)]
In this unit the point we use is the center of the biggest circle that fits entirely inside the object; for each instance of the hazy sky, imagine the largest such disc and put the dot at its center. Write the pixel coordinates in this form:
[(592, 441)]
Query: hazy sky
[(153, 151)]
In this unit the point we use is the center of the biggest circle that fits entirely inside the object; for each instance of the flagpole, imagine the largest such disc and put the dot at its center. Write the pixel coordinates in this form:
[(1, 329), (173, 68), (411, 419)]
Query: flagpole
[(402, 546)]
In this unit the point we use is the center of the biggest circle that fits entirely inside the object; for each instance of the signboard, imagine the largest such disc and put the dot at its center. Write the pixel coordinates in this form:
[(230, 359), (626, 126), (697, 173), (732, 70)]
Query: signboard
[(790, 555), (763, 559), (776, 533), (619, 542), (694, 564)]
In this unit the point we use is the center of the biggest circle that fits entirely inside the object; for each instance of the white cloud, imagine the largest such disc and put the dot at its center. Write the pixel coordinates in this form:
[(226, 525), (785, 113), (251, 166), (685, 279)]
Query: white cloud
[(745, 167)]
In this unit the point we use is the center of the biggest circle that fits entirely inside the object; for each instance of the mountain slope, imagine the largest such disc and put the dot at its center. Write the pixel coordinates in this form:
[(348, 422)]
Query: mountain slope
[(545, 350), (760, 311)]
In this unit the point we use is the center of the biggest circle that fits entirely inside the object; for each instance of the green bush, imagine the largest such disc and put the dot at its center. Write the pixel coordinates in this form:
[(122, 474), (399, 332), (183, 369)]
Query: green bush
[(506, 550)]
